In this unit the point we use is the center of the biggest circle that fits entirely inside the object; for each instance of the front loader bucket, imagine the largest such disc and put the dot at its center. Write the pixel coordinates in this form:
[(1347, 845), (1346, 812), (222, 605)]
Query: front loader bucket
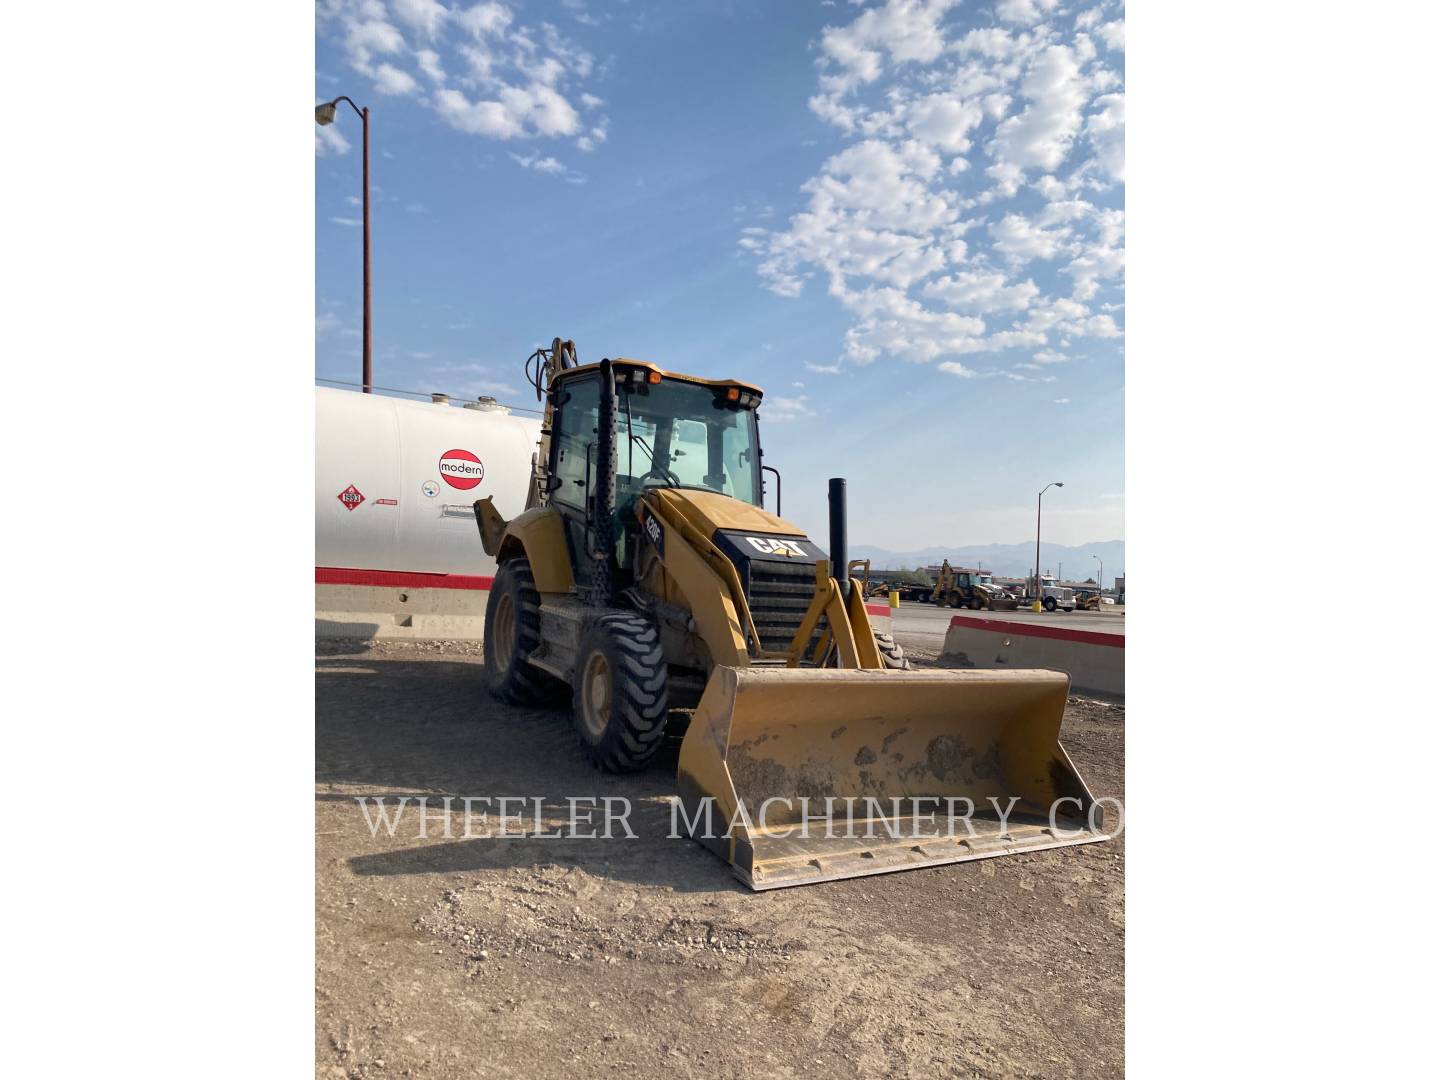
[(797, 775)]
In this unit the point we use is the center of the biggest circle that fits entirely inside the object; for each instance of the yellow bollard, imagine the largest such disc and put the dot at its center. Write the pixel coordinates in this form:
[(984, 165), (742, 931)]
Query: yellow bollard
[(894, 599), (1037, 607)]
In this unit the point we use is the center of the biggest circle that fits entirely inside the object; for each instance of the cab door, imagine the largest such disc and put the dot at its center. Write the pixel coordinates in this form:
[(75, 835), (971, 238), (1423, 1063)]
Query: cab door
[(574, 455)]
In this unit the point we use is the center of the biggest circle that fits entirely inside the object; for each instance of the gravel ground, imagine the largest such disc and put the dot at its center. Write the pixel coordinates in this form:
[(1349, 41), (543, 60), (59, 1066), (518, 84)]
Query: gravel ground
[(538, 958)]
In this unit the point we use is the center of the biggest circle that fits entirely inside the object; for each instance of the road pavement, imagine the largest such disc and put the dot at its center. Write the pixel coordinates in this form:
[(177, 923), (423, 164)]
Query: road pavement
[(924, 625)]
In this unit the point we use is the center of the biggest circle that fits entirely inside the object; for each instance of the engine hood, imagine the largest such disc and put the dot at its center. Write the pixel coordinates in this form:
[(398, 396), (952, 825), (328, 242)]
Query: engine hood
[(710, 512)]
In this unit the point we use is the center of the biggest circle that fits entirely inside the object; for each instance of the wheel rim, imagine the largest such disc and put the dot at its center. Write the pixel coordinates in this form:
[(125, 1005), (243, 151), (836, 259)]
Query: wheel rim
[(502, 633), (595, 695)]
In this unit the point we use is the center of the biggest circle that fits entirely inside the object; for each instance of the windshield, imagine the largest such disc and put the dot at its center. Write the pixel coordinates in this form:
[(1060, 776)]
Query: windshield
[(681, 434)]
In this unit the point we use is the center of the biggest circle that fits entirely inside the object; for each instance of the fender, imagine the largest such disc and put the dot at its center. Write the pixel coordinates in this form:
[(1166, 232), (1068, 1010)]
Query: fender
[(539, 536)]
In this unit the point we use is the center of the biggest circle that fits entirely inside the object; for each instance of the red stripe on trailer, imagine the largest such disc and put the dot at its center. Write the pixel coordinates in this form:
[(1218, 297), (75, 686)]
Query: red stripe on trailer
[(1020, 629), (397, 579)]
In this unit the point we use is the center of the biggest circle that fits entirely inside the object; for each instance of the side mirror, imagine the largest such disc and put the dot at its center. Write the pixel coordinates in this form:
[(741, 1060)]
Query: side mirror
[(771, 469)]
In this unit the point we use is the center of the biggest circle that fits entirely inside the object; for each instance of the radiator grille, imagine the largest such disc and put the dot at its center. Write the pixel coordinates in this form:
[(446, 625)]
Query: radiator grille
[(779, 594)]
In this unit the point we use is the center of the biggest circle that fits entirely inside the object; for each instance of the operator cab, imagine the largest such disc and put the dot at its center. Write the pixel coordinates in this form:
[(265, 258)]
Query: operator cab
[(670, 431)]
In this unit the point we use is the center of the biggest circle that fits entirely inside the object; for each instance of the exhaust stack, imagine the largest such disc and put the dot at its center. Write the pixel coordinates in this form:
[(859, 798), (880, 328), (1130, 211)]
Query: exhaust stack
[(839, 547)]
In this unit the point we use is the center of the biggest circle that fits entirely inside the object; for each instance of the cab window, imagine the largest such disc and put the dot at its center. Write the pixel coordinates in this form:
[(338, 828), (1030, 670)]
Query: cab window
[(576, 428)]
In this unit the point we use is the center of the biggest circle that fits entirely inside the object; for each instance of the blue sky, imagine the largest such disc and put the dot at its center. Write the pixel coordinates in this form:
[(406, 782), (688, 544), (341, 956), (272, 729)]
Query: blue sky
[(903, 220)]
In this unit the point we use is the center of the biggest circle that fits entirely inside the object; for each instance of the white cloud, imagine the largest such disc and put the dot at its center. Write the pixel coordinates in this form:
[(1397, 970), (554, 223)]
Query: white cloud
[(1062, 401), (982, 292), (352, 223), (391, 80), (1106, 131), (901, 30), (946, 125), (424, 16), (329, 142), (822, 369), (429, 62), (1040, 137), (494, 76), (363, 39), (1024, 12), (547, 165), (476, 117), (777, 409), (1113, 34), (594, 137), (950, 367), (1102, 258), (944, 122), (1021, 240), (485, 20)]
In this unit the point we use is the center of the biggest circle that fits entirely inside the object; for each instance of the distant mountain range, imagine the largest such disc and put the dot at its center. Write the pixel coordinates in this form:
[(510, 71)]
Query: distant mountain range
[(1007, 560)]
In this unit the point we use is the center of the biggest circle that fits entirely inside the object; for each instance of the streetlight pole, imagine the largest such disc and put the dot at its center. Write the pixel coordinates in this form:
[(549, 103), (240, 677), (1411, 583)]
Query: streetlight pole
[(1038, 498), (1102, 572), (325, 114)]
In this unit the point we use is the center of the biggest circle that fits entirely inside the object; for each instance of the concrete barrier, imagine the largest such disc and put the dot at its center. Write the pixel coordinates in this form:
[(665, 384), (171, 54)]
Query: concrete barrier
[(880, 617), (1094, 661), (385, 604)]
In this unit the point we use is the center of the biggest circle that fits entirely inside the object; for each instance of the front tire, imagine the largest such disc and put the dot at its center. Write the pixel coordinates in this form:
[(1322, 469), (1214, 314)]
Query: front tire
[(620, 693), (891, 654), (512, 634), (1049, 603), (976, 603)]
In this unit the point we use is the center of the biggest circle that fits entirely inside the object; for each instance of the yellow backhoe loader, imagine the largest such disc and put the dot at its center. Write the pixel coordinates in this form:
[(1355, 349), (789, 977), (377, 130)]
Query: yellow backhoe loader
[(647, 577), (973, 589)]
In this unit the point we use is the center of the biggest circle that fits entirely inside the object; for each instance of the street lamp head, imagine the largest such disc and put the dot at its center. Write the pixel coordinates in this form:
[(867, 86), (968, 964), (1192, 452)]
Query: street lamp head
[(325, 114), (1059, 483)]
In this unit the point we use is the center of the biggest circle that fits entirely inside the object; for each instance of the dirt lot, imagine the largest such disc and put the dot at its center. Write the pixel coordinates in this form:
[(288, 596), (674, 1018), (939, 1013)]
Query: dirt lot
[(536, 958)]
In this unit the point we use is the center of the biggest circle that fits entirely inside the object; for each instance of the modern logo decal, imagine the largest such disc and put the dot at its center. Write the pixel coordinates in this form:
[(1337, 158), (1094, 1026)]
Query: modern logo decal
[(461, 469)]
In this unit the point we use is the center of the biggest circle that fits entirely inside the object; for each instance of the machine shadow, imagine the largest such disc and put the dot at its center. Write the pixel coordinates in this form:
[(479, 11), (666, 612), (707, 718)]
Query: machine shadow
[(393, 728)]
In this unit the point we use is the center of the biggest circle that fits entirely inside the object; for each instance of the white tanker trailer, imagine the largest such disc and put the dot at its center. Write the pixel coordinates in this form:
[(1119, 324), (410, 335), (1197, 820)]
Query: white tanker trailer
[(396, 548)]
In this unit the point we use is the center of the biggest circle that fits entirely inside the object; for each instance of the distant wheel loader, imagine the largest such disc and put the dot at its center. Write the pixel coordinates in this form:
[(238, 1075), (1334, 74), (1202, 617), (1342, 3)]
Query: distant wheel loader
[(646, 578), (971, 589)]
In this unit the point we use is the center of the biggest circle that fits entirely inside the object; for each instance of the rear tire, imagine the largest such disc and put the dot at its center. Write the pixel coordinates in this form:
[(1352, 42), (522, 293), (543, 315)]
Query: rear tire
[(620, 693), (891, 654), (512, 634)]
